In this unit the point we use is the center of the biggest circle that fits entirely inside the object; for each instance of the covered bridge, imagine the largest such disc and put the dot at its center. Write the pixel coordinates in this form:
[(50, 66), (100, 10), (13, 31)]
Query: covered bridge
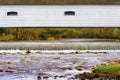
[(59, 15)]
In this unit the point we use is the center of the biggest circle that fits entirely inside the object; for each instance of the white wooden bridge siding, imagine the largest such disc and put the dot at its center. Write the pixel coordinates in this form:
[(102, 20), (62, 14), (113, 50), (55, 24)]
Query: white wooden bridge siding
[(53, 16)]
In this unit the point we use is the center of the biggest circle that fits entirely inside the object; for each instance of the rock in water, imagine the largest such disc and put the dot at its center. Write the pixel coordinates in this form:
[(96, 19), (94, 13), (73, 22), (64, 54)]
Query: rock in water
[(77, 52), (28, 51), (39, 78)]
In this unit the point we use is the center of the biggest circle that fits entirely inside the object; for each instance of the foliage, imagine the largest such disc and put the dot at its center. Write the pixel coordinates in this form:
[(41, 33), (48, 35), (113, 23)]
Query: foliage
[(7, 37), (116, 33), (1, 30), (58, 33)]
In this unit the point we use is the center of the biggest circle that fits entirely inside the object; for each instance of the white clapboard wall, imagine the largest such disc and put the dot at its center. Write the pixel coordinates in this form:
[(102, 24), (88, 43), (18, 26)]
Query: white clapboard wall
[(59, 16)]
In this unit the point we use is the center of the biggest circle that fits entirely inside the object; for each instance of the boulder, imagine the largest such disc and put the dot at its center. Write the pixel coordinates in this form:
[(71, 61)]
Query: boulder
[(77, 51)]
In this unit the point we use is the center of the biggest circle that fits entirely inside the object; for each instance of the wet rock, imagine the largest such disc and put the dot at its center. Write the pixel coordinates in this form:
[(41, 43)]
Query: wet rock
[(118, 52), (13, 53), (79, 67), (88, 52), (45, 77), (96, 76), (1, 70), (83, 78), (28, 51), (4, 63), (94, 52), (116, 61), (105, 52), (33, 59), (55, 77), (90, 76), (24, 53), (111, 61), (66, 68), (71, 52), (39, 78), (29, 60), (41, 74), (61, 76), (72, 78), (94, 66), (3, 53), (56, 58), (77, 52), (62, 53), (38, 52), (81, 63), (10, 70)]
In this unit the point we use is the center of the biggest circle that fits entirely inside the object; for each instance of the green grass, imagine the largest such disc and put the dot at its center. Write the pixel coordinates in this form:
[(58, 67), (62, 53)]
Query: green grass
[(108, 69)]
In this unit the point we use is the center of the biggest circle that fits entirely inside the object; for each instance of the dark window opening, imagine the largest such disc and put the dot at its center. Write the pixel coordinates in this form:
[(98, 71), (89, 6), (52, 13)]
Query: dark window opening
[(71, 13), (12, 13)]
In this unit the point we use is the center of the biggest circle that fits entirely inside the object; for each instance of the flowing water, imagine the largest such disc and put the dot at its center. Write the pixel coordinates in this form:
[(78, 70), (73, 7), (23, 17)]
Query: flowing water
[(65, 44), (53, 60)]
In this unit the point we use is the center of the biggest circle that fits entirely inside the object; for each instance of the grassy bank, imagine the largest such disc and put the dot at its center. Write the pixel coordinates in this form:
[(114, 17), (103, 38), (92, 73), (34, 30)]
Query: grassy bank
[(112, 69), (104, 72)]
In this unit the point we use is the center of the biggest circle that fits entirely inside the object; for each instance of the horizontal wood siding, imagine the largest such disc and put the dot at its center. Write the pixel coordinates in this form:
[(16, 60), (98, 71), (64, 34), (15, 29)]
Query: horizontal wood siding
[(53, 16)]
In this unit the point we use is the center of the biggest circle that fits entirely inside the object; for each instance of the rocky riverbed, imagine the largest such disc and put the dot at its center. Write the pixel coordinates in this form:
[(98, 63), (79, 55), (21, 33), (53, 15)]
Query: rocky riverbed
[(52, 64)]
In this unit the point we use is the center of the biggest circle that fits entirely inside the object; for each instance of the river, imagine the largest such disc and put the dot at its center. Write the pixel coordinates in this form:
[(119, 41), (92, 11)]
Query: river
[(58, 60)]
